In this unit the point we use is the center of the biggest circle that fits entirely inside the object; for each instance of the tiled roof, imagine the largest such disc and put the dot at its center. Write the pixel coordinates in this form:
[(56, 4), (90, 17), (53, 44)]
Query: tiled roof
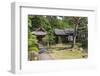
[(39, 33), (59, 32), (64, 31)]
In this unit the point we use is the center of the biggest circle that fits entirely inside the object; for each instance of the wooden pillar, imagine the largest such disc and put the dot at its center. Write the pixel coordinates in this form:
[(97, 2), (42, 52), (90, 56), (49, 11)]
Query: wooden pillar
[(59, 39)]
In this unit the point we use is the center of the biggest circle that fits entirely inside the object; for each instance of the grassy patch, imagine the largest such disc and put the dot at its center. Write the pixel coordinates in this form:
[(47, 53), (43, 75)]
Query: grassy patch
[(64, 51), (66, 54)]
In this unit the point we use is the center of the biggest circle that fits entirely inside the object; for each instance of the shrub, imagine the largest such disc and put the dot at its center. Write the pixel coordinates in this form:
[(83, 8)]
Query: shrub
[(32, 43)]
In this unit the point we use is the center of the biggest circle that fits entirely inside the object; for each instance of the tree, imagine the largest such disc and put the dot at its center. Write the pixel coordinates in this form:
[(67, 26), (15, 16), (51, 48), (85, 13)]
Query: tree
[(32, 40), (79, 24), (76, 20)]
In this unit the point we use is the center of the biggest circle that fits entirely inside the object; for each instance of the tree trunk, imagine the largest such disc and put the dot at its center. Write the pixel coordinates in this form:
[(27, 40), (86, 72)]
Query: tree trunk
[(75, 35)]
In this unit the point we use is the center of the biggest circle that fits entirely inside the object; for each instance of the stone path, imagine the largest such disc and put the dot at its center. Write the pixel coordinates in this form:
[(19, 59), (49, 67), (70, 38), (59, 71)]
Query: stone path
[(44, 56)]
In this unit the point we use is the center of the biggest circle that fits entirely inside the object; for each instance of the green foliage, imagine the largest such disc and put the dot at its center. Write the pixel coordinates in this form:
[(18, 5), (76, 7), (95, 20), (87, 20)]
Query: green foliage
[(83, 29), (33, 49), (84, 43), (32, 43)]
